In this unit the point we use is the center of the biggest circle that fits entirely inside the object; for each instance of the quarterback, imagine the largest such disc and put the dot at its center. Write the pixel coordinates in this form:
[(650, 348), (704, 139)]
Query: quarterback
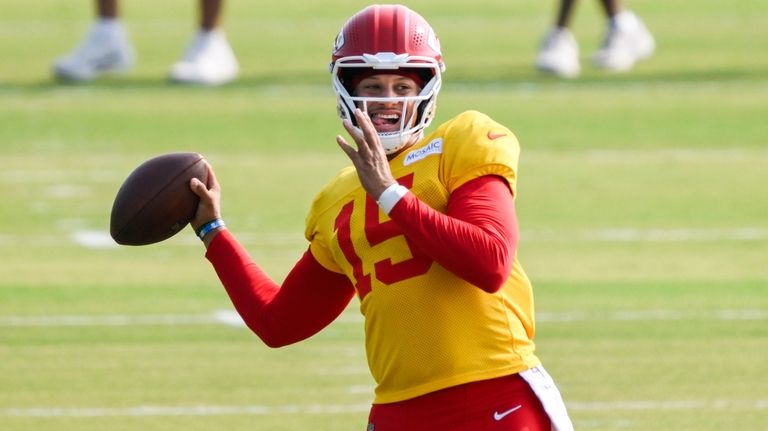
[(422, 229)]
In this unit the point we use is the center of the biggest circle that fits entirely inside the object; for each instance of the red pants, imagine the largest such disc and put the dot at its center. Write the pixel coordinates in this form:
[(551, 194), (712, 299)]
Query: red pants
[(501, 404)]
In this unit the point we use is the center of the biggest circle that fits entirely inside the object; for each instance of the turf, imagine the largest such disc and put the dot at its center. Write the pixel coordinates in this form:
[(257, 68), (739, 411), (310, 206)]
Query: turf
[(642, 203)]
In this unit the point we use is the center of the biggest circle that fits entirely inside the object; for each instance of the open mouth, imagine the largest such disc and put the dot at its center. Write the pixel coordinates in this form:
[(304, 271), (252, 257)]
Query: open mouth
[(385, 121)]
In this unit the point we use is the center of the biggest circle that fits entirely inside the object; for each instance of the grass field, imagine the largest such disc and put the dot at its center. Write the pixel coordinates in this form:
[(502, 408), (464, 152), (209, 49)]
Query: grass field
[(642, 200)]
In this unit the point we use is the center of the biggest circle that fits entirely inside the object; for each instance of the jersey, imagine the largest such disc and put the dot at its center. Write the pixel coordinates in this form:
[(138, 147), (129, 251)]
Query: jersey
[(425, 328)]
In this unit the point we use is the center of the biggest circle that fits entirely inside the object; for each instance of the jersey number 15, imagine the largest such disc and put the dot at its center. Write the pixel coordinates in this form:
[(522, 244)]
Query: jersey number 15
[(377, 232)]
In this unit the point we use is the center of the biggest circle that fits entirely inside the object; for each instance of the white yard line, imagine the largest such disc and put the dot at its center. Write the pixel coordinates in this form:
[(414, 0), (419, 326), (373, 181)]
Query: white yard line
[(199, 410), (646, 234), (96, 239), (652, 315), (110, 320), (231, 318), (93, 239), (723, 404), (260, 410)]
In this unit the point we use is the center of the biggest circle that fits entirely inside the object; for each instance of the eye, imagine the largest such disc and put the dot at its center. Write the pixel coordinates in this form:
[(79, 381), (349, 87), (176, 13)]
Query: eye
[(369, 88)]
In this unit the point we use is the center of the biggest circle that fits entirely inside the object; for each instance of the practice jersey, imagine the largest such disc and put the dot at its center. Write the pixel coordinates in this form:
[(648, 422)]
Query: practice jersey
[(425, 328)]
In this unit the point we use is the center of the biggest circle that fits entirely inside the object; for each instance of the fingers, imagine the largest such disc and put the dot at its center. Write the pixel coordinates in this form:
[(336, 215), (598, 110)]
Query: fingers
[(364, 121), (209, 193), (369, 141), (354, 133), (198, 187), (369, 158), (368, 151), (212, 183), (365, 135), (350, 128), (351, 153)]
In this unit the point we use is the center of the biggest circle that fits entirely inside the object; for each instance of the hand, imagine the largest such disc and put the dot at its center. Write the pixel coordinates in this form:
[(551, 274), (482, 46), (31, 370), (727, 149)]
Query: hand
[(209, 207), (369, 159)]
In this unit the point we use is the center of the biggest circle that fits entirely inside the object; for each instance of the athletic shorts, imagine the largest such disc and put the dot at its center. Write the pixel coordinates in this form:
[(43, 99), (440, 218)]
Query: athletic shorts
[(501, 404)]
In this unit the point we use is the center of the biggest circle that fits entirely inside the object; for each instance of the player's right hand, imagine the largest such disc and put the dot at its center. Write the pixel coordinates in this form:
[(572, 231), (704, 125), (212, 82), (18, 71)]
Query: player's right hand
[(209, 207)]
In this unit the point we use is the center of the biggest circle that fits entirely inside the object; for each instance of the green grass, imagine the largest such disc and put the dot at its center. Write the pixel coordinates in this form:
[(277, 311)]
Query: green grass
[(642, 202)]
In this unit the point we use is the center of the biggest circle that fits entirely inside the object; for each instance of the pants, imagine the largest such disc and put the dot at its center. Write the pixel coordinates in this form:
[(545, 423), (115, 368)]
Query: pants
[(502, 404)]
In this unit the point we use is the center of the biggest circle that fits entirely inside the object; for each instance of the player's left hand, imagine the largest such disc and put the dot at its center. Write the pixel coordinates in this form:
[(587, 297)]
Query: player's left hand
[(369, 158)]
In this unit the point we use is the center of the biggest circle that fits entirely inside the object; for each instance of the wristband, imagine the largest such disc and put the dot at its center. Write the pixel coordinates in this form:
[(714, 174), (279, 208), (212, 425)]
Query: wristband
[(390, 197), (208, 227)]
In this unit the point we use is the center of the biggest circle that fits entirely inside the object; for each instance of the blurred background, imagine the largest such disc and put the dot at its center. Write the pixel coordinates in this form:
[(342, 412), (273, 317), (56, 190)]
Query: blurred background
[(642, 203)]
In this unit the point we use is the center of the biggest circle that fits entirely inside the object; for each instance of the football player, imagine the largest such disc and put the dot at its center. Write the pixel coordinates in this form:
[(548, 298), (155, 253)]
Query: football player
[(422, 229)]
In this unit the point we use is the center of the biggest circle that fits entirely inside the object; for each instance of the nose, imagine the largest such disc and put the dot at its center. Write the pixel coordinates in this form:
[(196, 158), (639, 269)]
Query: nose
[(388, 91)]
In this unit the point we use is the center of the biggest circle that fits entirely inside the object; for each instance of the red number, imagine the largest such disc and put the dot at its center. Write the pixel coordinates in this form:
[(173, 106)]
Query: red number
[(344, 234), (377, 232)]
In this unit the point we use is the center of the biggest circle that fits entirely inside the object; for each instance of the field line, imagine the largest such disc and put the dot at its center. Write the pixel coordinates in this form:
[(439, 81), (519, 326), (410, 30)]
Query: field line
[(100, 240), (653, 315), (260, 410), (670, 405), (199, 410), (231, 318), (646, 235), (109, 320)]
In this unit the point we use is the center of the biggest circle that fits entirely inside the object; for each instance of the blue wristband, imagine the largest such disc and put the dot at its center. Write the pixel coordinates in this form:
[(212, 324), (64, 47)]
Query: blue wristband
[(208, 227)]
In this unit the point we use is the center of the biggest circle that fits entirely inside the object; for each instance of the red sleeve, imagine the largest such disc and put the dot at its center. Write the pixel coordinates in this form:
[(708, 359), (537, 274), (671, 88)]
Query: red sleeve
[(310, 298), (476, 239)]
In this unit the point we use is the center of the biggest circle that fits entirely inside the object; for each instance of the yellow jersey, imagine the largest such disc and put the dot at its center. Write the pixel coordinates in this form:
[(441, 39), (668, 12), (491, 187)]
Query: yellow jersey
[(425, 328)]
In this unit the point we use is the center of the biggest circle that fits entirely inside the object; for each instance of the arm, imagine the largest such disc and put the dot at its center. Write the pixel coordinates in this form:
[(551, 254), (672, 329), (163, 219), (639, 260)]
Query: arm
[(476, 239), (310, 298)]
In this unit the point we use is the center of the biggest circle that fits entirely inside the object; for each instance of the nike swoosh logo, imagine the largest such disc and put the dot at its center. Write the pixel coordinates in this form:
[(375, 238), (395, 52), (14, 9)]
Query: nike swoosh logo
[(493, 136), (499, 416)]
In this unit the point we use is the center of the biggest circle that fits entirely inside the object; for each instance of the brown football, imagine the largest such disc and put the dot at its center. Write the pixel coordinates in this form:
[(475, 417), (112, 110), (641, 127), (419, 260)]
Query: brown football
[(155, 202)]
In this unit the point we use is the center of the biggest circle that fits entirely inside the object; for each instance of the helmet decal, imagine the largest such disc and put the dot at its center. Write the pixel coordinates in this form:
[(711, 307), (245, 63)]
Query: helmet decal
[(339, 42)]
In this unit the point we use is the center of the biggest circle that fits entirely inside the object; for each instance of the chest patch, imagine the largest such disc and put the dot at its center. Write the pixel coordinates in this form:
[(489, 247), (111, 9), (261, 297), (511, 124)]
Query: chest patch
[(434, 147)]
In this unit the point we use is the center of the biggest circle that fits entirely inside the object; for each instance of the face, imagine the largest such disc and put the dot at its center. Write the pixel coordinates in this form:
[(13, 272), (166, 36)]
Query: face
[(387, 116)]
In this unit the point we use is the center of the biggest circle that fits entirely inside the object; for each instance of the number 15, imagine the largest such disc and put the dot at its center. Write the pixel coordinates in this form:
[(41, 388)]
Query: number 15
[(377, 232)]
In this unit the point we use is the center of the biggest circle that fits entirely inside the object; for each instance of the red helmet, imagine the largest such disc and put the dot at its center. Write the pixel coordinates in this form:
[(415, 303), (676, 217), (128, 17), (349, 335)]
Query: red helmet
[(388, 38)]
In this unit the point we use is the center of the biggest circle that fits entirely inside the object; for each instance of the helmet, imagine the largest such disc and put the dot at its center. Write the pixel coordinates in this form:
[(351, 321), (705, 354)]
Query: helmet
[(389, 39)]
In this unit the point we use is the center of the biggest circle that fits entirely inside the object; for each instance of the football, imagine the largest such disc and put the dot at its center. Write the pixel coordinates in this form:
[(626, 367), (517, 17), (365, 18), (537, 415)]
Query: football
[(155, 201)]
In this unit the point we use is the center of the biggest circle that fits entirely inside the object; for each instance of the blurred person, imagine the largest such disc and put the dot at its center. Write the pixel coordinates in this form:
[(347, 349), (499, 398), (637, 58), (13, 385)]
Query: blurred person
[(207, 60), (626, 41), (422, 229)]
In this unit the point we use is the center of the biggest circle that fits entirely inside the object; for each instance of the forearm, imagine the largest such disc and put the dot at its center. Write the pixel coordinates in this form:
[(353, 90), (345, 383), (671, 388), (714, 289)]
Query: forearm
[(309, 299), (476, 239)]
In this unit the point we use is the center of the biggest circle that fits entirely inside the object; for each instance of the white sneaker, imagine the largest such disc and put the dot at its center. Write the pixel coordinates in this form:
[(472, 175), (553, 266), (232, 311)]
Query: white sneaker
[(626, 42), (105, 49), (559, 54), (208, 60)]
